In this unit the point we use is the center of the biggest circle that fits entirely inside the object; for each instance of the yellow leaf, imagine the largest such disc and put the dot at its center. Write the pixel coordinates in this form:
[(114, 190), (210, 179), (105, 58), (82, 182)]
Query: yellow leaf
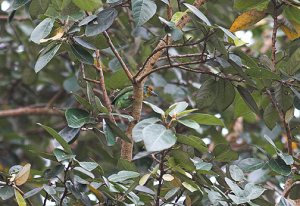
[(97, 193), (20, 200), (177, 16), (144, 179), (59, 33), (247, 19), (291, 33), (23, 175), (168, 177)]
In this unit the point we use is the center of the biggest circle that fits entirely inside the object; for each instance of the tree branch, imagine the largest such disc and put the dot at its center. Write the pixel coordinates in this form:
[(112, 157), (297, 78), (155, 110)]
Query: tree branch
[(127, 148), (124, 66), (274, 34), (30, 111)]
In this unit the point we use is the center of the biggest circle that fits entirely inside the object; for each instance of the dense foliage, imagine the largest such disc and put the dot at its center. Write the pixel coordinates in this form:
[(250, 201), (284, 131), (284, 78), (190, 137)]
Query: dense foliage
[(145, 102)]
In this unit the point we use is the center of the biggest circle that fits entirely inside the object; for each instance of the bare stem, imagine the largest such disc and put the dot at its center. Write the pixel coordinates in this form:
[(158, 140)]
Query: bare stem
[(113, 48)]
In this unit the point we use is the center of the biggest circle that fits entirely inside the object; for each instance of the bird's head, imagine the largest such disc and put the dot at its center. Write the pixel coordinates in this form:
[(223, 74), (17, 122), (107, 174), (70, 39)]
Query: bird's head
[(149, 91)]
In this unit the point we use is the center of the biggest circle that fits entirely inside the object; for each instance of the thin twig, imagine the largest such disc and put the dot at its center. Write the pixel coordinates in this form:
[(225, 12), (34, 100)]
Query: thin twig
[(124, 66), (274, 34), (64, 182), (160, 178), (286, 126)]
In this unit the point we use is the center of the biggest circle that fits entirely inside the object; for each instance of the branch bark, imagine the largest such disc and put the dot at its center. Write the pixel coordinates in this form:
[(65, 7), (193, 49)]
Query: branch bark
[(30, 111), (138, 84)]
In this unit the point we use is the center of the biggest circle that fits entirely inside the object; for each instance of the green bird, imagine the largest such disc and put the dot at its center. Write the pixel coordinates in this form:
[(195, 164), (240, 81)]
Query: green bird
[(125, 97)]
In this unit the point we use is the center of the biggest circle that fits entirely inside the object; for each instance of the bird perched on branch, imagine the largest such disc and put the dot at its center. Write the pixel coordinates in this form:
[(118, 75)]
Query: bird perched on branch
[(125, 97)]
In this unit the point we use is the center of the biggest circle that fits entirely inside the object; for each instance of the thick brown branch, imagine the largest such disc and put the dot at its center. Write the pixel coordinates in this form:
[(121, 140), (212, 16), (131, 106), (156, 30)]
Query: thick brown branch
[(30, 111), (126, 150), (124, 66)]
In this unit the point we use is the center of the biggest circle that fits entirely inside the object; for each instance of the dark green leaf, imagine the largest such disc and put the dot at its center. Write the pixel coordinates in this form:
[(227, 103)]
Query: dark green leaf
[(251, 164), (279, 166), (104, 19), (142, 11), (76, 118), (58, 138), (45, 57), (42, 30), (82, 55), (6, 192), (246, 95), (205, 119), (193, 141), (32, 192)]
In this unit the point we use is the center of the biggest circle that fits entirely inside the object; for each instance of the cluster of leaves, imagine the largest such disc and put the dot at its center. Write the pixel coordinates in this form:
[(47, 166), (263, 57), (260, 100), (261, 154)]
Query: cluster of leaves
[(230, 138)]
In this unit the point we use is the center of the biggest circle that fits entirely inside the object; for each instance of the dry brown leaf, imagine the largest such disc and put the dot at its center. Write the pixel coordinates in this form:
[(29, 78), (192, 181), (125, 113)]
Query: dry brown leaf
[(291, 33), (247, 19), (23, 175)]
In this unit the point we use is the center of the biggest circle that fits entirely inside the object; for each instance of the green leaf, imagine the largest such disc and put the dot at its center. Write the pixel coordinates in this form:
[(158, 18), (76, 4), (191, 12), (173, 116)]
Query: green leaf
[(270, 116), (206, 94), (69, 134), (157, 138), (62, 155), (283, 96), (251, 164), (38, 7), (84, 43), (142, 11), (223, 153), (259, 5), (193, 141), (6, 192), (18, 3), (123, 175), (292, 14), (109, 136), (225, 95), (88, 5), (262, 73), (293, 63), (236, 173), (58, 138), (70, 84), (89, 166), (105, 19), (155, 108), (45, 57), (249, 100), (178, 108), (126, 165), (234, 187), (205, 119), (137, 132), (20, 200), (76, 118), (83, 102), (198, 13), (117, 131), (32, 192), (294, 192), (42, 30), (253, 191), (203, 166), (82, 55), (190, 123), (279, 166), (183, 160)]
